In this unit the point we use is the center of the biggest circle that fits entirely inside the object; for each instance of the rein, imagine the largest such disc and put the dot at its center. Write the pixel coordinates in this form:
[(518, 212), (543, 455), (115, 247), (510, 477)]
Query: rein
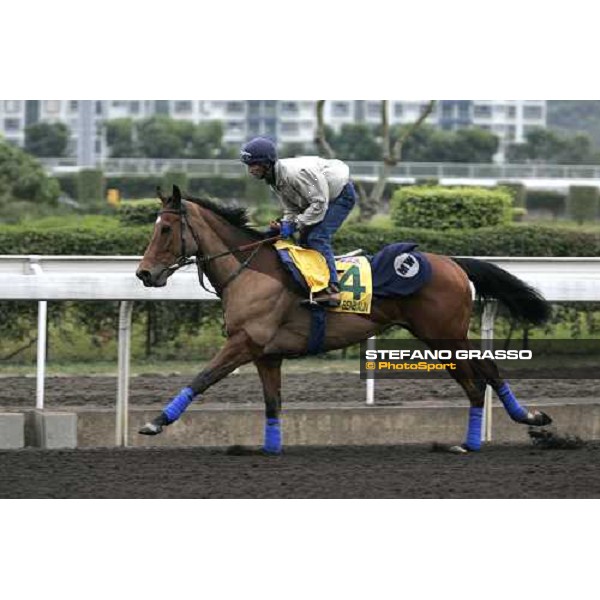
[(201, 260)]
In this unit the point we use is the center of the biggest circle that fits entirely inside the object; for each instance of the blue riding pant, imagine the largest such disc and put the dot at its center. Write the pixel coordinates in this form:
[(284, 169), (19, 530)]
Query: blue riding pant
[(318, 237)]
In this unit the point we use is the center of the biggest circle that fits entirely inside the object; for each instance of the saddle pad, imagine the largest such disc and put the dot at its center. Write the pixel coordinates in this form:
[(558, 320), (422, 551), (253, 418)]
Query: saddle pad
[(310, 270), (399, 271)]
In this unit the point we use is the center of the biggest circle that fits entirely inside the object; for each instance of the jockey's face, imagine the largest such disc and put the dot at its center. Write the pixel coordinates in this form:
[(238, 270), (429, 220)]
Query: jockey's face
[(259, 171)]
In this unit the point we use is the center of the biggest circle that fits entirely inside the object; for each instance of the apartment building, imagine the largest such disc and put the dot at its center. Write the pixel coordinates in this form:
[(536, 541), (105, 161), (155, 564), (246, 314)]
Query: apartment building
[(285, 120)]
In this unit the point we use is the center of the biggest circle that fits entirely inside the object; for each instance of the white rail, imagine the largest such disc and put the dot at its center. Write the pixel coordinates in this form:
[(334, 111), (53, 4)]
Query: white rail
[(233, 168)]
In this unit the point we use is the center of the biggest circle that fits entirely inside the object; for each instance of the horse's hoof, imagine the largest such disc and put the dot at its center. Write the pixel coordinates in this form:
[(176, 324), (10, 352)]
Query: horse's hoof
[(537, 418), (151, 429), (450, 449), (458, 450)]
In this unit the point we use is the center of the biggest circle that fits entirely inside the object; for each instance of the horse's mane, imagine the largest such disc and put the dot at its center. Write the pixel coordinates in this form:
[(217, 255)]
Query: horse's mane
[(234, 215)]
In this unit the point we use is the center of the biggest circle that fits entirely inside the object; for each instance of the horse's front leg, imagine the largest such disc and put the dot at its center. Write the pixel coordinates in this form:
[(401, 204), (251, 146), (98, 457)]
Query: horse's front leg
[(238, 350), (269, 370)]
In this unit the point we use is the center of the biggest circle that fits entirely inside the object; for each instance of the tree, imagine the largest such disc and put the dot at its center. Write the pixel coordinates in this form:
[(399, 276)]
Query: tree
[(23, 183), (160, 137), (356, 141), (473, 145), (120, 138), (47, 139), (543, 145), (207, 140), (391, 154)]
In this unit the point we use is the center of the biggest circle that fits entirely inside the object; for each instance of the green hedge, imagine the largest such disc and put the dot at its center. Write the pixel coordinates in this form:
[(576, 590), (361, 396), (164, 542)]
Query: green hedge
[(518, 191), (143, 186), (90, 186), (443, 208), (555, 202), (511, 240), (582, 203), (108, 238), (138, 212)]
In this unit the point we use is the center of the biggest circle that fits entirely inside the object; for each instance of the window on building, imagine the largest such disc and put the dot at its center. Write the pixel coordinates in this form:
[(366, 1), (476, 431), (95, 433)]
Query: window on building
[(12, 124), (398, 109), (254, 108), (308, 105), (463, 111), (307, 125), (234, 107), (52, 106), (270, 108), (511, 112), (290, 128), (532, 112), (134, 107), (161, 107), (511, 133), (235, 127), (289, 108), (99, 107), (253, 128), (182, 106), (73, 105), (119, 103), (483, 111), (12, 141), (373, 109), (340, 109), (12, 106), (447, 111), (499, 109)]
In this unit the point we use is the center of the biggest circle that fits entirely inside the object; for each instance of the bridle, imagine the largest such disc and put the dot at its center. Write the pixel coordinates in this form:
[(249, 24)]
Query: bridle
[(201, 260)]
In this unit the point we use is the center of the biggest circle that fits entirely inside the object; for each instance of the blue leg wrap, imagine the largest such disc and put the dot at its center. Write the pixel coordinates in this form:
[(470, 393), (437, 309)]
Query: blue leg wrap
[(272, 436), (177, 406), (473, 441), (512, 406)]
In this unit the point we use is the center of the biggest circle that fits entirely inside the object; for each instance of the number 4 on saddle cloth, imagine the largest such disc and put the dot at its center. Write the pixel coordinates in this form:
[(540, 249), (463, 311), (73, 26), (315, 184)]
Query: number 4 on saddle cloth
[(396, 270)]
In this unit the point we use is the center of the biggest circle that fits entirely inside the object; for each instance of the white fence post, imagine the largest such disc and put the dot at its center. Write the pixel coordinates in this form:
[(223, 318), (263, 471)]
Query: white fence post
[(371, 380), (487, 335), (122, 421)]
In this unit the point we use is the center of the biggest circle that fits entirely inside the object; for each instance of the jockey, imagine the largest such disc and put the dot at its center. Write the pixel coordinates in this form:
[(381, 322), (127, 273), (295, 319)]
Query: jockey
[(316, 195)]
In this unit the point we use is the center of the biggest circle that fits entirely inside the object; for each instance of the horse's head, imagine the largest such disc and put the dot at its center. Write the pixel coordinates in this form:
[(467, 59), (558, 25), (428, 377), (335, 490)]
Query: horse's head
[(172, 241)]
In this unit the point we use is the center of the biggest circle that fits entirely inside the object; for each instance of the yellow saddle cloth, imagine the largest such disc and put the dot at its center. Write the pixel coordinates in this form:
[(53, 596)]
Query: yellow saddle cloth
[(354, 272)]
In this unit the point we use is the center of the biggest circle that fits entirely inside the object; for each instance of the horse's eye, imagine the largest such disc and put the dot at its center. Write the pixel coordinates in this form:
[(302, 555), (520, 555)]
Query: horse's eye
[(165, 229)]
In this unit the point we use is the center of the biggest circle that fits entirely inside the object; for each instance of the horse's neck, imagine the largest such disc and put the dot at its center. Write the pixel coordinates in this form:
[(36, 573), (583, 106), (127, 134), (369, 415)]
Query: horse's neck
[(215, 237)]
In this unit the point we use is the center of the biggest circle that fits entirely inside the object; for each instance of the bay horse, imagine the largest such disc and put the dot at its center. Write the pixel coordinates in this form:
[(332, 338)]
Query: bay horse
[(265, 321)]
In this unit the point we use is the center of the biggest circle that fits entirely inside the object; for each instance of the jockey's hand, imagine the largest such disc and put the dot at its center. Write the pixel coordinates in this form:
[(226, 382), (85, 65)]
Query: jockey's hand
[(274, 229), (287, 229)]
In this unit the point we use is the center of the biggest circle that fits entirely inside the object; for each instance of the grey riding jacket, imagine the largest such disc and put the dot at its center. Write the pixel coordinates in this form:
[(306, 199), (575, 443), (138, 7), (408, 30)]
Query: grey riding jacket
[(306, 184)]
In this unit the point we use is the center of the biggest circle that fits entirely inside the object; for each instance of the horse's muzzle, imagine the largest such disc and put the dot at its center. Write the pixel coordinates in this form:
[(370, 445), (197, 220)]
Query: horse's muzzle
[(148, 280)]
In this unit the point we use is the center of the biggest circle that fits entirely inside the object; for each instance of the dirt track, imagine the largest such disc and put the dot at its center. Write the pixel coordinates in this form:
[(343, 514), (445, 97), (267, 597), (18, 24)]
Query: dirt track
[(410, 471), (151, 389)]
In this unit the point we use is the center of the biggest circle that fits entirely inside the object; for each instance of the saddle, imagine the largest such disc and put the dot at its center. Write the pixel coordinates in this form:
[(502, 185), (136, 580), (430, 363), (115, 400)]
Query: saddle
[(396, 270)]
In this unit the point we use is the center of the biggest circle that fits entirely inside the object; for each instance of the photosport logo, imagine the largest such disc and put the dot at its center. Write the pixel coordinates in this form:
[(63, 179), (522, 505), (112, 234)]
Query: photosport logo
[(535, 359)]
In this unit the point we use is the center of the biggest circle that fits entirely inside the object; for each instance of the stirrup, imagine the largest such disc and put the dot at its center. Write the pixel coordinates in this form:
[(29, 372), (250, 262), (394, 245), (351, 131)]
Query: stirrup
[(309, 300)]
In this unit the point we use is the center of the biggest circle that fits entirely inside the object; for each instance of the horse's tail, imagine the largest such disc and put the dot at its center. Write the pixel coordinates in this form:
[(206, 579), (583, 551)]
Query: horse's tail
[(522, 301)]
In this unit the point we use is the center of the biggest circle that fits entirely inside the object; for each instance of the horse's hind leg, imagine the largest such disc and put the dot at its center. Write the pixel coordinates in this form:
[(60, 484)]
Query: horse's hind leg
[(467, 374), (516, 411), (269, 370)]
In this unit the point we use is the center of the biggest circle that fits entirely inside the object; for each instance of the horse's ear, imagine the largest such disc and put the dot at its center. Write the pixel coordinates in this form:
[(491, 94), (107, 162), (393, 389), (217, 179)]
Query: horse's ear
[(160, 194), (176, 194)]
